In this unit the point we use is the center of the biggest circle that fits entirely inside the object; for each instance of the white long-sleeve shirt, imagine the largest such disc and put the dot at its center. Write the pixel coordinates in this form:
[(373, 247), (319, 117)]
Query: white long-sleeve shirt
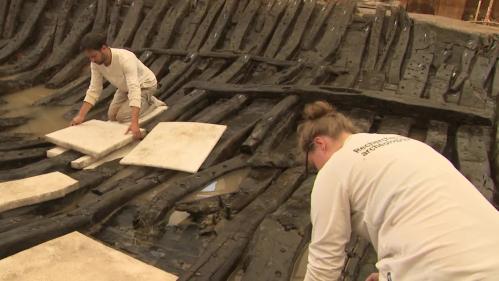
[(425, 220), (126, 72)]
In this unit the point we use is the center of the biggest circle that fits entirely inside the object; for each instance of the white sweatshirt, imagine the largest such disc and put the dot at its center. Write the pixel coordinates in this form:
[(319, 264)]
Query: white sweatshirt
[(126, 72), (425, 220)]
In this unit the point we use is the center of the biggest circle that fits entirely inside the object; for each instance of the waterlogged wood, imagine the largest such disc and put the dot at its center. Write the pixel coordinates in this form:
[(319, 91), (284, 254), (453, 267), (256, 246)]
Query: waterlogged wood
[(114, 17), (467, 58), (69, 72), (203, 30), (11, 19), (62, 19), (196, 15), (267, 122), (294, 39), (400, 49), (170, 22), (130, 24), (218, 31), (271, 19), (436, 136), (395, 125), (375, 37), (26, 30), (144, 32), (393, 26), (222, 253), (278, 241), (281, 29), (243, 24), (440, 84), (100, 23), (9, 122), (221, 111), (311, 35), (157, 208), (4, 8), (65, 92), (21, 156), (176, 70)]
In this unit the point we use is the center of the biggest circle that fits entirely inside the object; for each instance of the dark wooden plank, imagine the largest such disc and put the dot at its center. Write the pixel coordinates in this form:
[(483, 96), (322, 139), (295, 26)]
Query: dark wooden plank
[(436, 136), (278, 241), (482, 69), (267, 122), (395, 125), (220, 112), (232, 238), (416, 75), (472, 156), (362, 119), (4, 8), (130, 24), (375, 37), (22, 156), (114, 18), (285, 23), (341, 19), (144, 32), (243, 24), (100, 23), (203, 30), (271, 18), (472, 97), (69, 72), (318, 22), (64, 92), (495, 82), (440, 83), (171, 20), (218, 31), (392, 26), (16, 41), (11, 20), (10, 122), (294, 39), (62, 20), (467, 58), (400, 49), (189, 27)]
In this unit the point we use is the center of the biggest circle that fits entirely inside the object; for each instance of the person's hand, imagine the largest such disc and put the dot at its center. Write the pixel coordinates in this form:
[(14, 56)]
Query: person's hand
[(135, 130), (373, 277), (77, 120)]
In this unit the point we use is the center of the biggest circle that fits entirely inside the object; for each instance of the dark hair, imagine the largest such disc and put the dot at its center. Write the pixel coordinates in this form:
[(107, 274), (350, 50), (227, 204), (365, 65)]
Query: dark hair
[(93, 41), (321, 118)]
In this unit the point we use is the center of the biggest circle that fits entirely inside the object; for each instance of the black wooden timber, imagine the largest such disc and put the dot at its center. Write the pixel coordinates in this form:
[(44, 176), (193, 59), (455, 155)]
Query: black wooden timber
[(341, 19), (114, 17), (483, 67), (160, 65), (33, 169), (218, 31), (400, 49), (473, 159), (362, 119), (467, 58), (436, 136), (203, 30), (243, 24), (393, 26), (296, 36), (271, 19), (62, 20), (130, 24), (171, 20), (280, 238), (235, 234), (162, 202), (40, 50), (11, 19), (65, 92), (100, 23), (196, 15), (9, 122), (220, 112), (395, 125), (416, 74), (495, 82), (26, 30), (238, 129), (4, 7), (144, 32), (176, 70), (22, 156), (267, 122), (69, 72), (310, 37), (352, 97), (23, 144), (282, 28), (472, 97), (374, 39), (440, 84)]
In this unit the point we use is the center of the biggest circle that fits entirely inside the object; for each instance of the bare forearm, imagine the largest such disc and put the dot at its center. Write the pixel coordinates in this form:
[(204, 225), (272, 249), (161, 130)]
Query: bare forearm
[(135, 111), (85, 108)]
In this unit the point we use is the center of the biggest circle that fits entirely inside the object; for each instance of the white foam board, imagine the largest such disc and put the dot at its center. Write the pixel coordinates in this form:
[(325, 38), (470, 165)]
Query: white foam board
[(95, 137), (181, 146), (76, 257), (56, 151), (33, 190)]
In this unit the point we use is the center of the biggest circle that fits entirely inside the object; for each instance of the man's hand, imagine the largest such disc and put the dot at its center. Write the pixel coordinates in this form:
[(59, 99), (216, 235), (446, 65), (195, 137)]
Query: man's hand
[(134, 128), (77, 120), (373, 277)]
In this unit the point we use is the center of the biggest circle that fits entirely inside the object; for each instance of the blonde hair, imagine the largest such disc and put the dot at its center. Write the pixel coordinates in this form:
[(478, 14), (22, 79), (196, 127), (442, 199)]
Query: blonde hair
[(321, 118)]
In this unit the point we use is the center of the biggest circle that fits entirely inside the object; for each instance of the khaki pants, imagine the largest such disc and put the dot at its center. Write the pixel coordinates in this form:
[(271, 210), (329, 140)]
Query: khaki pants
[(119, 109)]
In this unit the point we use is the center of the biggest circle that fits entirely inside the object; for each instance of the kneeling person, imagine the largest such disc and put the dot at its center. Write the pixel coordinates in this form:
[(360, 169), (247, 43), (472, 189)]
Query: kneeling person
[(136, 83)]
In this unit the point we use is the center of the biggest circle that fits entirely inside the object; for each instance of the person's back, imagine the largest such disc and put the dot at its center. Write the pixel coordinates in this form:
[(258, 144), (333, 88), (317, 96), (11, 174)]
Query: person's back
[(426, 220)]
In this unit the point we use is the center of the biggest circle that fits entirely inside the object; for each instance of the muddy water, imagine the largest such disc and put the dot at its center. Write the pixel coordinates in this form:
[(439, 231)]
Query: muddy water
[(44, 119)]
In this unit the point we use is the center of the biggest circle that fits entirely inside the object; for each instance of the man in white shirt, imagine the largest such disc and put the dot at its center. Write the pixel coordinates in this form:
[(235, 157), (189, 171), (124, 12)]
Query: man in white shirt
[(424, 218), (135, 82)]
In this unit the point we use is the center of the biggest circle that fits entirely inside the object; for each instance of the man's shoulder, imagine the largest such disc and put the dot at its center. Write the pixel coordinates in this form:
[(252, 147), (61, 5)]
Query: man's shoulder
[(123, 53)]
